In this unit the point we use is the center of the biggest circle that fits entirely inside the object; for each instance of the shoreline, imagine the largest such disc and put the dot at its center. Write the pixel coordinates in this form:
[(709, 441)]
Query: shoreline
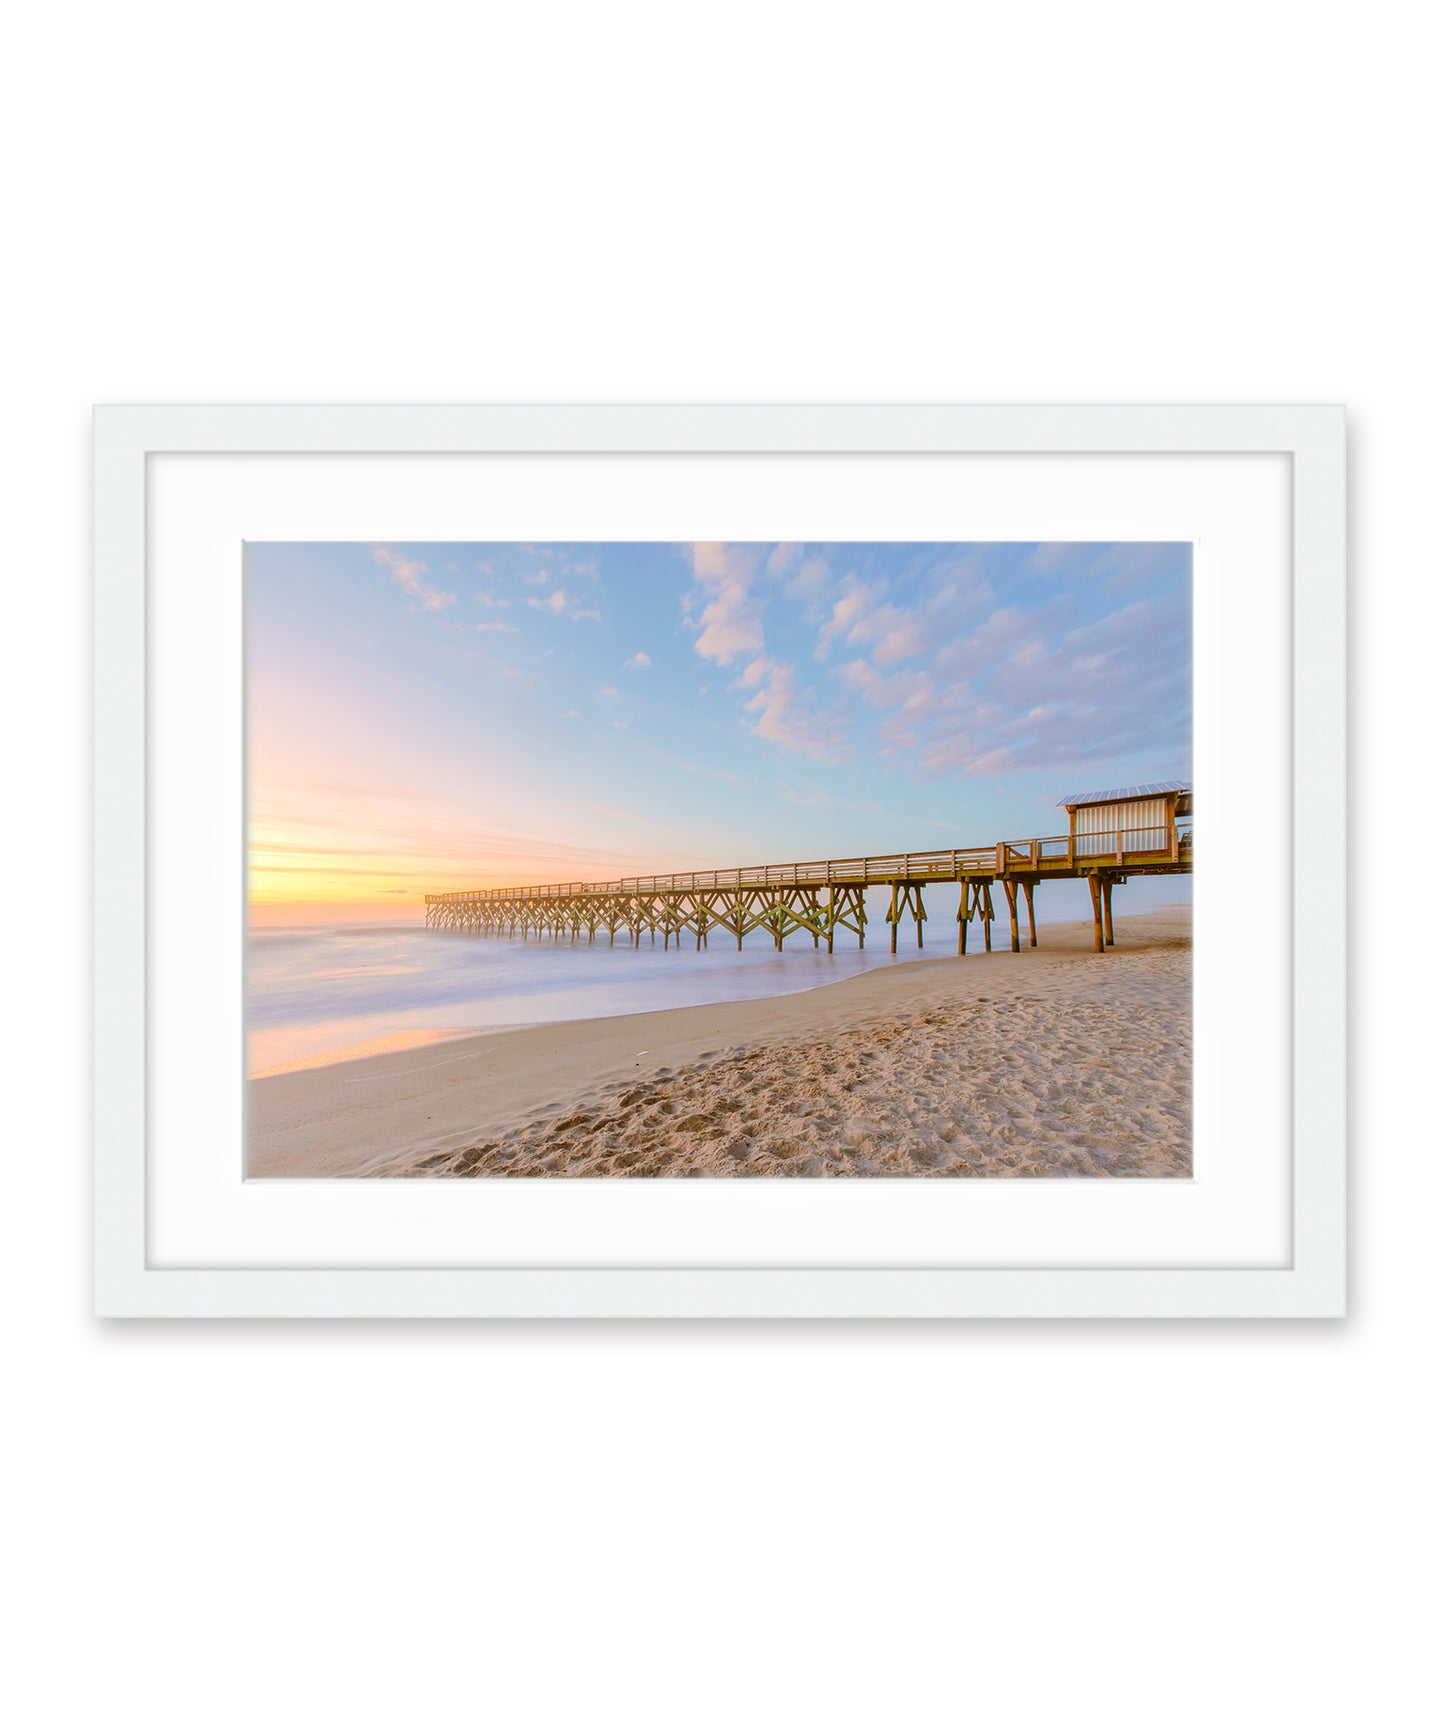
[(403, 1038), (991, 1037)]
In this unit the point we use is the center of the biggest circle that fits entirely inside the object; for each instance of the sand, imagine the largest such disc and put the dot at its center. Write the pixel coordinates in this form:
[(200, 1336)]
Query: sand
[(1055, 1062)]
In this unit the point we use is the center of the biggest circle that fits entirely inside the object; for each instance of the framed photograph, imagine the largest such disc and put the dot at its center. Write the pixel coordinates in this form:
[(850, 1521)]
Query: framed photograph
[(720, 862)]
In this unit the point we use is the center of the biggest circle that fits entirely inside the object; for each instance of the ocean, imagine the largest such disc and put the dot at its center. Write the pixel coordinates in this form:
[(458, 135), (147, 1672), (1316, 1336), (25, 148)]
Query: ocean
[(324, 993)]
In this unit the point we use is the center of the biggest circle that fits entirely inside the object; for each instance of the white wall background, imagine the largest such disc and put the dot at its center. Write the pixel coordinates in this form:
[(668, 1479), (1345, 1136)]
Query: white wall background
[(1008, 1527)]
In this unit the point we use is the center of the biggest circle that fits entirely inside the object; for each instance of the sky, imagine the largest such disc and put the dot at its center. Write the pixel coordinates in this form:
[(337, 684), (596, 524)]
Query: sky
[(441, 716)]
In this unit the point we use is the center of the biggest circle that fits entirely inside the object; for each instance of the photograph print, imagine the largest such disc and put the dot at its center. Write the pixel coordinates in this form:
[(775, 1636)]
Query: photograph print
[(718, 860)]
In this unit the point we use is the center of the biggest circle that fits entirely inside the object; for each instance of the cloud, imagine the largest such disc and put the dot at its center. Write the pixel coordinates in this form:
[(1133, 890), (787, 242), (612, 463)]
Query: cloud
[(848, 611), (909, 689), (786, 717), (619, 725), (567, 715), (541, 576), (495, 626), (980, 661), (1105, 693), (801, 579), (897, 634), (1053, 557), (1114, 568), (489, 599), (864, 614), (559, 602), (1006, 633), (608, 692), (1059, 679), (411, 575), (732, 629), (812, 575), (784, 557), (731, 618), (641, 660)]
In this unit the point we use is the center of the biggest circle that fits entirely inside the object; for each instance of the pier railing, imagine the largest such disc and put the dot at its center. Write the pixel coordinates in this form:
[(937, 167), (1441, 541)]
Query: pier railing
[(1155, 845)]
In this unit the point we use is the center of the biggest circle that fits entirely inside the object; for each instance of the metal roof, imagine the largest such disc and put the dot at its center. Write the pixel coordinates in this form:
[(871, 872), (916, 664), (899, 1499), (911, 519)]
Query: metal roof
[(1134, 791)]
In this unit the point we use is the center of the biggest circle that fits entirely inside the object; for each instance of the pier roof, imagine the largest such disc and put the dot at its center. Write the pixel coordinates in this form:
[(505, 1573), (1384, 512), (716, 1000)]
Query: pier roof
[(1131, 792)]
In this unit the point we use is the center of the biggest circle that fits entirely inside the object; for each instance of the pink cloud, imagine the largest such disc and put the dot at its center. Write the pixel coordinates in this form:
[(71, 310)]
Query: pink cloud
[(731, 619), (411, 576), (787, 717)]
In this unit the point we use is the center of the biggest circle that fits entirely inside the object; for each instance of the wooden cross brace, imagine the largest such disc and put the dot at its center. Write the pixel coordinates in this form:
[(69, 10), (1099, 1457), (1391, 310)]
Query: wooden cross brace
[(975, 903)]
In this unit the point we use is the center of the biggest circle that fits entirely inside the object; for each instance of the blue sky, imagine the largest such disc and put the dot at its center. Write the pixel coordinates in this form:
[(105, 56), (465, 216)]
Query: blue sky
[(429, 716)]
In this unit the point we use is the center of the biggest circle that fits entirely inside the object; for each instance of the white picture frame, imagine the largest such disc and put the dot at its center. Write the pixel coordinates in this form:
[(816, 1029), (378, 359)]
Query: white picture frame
[(130, 1283)]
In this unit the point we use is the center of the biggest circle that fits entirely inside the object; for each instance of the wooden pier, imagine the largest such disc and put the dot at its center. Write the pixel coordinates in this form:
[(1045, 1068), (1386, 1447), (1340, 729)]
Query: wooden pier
[(1113, 834)]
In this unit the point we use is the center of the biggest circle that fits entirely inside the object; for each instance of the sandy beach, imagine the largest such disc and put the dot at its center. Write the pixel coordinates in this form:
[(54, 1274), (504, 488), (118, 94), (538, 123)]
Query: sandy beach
[(1052, 1062)]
